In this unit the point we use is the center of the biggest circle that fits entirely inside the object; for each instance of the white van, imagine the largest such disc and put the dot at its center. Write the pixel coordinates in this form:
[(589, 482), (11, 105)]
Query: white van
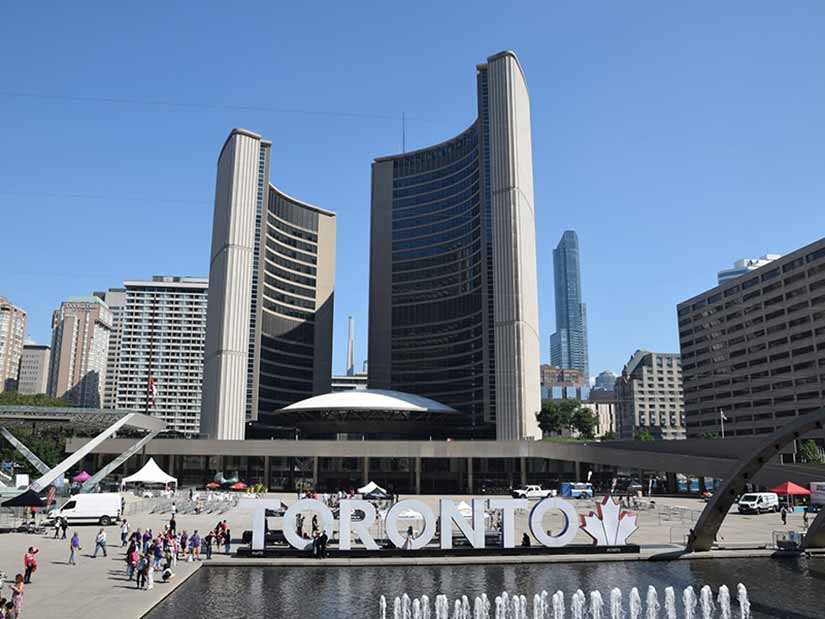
[(103, 508), (758, 502)]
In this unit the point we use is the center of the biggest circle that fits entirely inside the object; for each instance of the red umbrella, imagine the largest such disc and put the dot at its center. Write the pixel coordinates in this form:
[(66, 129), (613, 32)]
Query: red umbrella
[(213, 485), (791, 489), (238, 485)]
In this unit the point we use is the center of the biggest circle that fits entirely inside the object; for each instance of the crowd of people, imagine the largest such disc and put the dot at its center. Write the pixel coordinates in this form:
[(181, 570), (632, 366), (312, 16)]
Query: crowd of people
[(149, 553)]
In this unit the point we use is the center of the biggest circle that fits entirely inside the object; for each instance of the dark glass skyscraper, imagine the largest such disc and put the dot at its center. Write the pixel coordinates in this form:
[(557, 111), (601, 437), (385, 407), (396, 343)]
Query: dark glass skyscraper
[(568, 345)]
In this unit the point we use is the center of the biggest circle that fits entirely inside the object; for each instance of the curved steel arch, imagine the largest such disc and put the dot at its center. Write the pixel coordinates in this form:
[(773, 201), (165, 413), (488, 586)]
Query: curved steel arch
[(815, 536), (704, 532)]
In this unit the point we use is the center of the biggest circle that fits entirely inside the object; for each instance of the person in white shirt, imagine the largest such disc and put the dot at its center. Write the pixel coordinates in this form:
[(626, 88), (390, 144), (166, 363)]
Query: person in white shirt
[(124, 533), (100, 543)]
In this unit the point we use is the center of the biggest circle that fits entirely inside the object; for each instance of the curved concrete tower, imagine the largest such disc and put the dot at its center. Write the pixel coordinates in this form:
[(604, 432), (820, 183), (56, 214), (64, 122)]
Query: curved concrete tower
[(453, 296), (269, 320)]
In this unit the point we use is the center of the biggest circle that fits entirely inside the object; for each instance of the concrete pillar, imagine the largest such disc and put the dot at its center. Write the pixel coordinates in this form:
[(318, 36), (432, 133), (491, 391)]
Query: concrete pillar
[(523, 462), (469, 475), (366, 468), (702, 487), (266, 472), (418, 475), (672, 483), (172, 458), (579, 468), (314, 471)]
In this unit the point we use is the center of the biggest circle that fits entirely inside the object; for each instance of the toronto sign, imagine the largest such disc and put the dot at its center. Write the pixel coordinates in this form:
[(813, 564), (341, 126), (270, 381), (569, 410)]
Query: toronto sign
[(609, 525)]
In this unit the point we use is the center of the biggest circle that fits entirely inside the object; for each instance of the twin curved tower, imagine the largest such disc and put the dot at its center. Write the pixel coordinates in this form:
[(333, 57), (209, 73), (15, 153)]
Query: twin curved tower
[(453, 300), (453, 291), (269, 318)]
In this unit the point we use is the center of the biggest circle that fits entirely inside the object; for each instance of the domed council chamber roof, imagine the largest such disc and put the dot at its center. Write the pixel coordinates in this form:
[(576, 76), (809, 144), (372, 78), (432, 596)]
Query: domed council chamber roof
[(370, 399), (373, 412)]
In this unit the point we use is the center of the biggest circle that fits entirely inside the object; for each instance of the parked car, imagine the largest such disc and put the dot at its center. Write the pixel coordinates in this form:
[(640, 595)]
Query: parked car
[(532, 492), (758, 502)]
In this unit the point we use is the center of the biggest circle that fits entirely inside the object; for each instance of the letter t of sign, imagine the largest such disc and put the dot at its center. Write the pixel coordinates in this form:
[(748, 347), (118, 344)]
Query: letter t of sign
[(508, 509)]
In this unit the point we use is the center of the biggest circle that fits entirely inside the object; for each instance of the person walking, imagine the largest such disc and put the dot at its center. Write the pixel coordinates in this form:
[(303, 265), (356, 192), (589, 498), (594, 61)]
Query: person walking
[(131, 560), (17, 595), (56, 528), (196, 546), (784, 515), (64, 526), (208, 541), (150, 577), (409, 538), (805, 520), (156, 553), (184, 544), (29, 564), (173, 525), (74, 548), (100, 543), (227, 540), (142, 567), (124, 533), (122, 506)]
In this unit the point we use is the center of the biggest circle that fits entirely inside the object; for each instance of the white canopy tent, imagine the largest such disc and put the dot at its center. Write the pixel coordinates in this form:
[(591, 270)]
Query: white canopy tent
[(151, 473), (372, 488)]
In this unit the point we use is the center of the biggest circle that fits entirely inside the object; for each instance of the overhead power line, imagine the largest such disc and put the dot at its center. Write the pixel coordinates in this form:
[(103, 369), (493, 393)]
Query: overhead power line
[(193, 105)]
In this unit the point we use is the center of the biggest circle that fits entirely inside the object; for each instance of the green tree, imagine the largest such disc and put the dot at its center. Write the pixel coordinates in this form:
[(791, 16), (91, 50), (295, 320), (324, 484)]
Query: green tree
[(556, 417), (609, 436), (49, 443), (12, 398), (643, 435), (710, 435), (809, 452)]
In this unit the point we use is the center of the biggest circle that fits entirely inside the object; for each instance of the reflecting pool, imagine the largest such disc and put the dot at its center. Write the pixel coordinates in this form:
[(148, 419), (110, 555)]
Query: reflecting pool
[(786, 588)]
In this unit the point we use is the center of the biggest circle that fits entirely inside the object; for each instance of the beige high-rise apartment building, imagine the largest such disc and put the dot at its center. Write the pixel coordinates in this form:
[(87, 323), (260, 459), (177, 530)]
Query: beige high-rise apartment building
[(271, 272), (161, 331), (12, 332), (115, 299), (80, 345), (453, 309), (34, 369), (753, 348), (649, 396)]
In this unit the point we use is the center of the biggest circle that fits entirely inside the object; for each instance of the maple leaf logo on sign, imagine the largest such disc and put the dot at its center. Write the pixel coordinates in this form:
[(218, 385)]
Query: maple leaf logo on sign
[(610, 525)]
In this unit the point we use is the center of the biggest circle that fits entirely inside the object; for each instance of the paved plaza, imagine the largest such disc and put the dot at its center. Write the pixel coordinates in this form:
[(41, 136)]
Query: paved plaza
[(98, 588)]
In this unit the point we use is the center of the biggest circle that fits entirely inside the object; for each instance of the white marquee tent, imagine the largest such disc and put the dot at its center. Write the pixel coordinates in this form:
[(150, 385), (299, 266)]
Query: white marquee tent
[(151, 473), (372, 489)]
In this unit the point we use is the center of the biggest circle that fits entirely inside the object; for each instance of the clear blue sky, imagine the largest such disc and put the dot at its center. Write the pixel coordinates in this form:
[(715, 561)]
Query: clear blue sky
[(674, 139)]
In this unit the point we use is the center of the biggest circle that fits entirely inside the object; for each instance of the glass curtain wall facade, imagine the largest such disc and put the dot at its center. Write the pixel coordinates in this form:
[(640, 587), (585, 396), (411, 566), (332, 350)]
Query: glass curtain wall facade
[(568, 345), (432, 328)]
